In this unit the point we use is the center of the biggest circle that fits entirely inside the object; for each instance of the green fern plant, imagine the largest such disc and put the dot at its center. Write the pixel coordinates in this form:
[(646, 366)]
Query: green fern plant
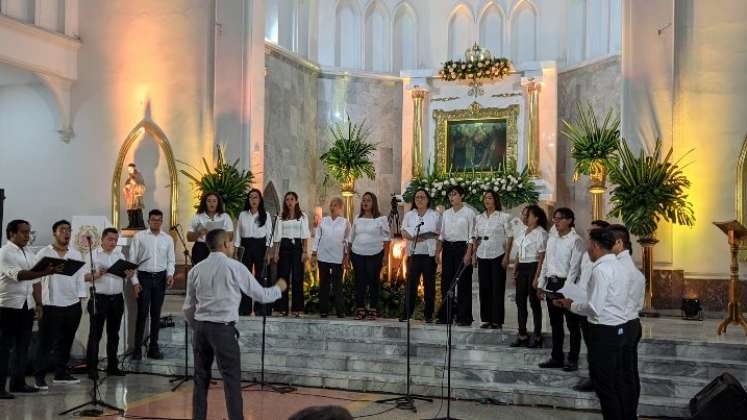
[(649, 188), (225, 179), (592, 143), (350, 156)]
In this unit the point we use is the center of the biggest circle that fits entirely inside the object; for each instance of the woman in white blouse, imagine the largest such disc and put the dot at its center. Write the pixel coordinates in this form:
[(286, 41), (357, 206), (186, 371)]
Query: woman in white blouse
[(329, 252), (253, 233), (424, 223), (369, 244), (494, 238), (290, 252), (210, 216), (530, 253)]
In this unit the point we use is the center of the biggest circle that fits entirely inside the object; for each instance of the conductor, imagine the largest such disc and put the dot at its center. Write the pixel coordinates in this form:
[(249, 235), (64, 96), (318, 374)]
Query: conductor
[(211, 307)]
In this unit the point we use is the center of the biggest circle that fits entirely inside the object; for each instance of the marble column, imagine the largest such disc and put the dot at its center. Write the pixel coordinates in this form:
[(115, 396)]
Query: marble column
[(418, 95), (532, 145)]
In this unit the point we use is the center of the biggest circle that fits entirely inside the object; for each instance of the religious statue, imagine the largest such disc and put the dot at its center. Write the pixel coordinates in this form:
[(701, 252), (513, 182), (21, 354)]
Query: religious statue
[(134, 190)]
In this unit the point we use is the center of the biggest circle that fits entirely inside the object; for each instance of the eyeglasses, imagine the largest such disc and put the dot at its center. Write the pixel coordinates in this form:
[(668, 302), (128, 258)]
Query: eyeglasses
[(558, 218)]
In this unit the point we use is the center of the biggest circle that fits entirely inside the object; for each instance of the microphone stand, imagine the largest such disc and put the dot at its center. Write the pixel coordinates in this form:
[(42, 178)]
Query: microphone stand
[(94, 401), (266, 281), (180, 380), (407, 401), (449, 306)]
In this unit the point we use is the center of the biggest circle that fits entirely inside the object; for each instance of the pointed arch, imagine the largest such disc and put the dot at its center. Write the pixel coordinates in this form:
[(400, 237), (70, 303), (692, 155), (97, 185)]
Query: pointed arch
[(348, 34), (576, 31), (461, 30), (376, 38), (524, 21), (491, 26), (146, 126), (271, 198), (404, 38)]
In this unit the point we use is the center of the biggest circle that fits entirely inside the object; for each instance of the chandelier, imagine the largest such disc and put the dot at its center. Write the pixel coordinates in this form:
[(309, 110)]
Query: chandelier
[(478, 64)]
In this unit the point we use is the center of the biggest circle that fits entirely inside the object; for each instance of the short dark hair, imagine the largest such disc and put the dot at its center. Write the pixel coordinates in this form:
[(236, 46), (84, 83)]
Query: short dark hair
[(108, 231), (603, 237), (620, 232), (59, 223), (214, 238), (327, 412), (155, 212), (600, 223), (427, 195), (458, 188), (14, 226), (567, 214)]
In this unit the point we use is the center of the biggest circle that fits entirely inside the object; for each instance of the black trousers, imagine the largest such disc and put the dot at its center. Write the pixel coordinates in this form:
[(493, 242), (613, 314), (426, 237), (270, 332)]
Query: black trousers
[(367, 269), (109, 311), (290, 268), (200, 251), (492, 278), (573, 321), (15, 333), (56, 335), (524, 276), (605, 367), (219, 342), (631, 381), (330, 275), (255, 250), (452, 257), (150, 301), (425, 266)]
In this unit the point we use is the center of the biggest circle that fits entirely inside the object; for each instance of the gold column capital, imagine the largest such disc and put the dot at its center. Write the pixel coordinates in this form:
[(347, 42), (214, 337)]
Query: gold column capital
[(418, 92)]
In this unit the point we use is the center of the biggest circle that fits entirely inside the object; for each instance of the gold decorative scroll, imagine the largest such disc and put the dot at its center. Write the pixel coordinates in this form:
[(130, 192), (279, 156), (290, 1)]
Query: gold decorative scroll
[(417, 132), (445, 99), (475, 112), (505, 95), (145, 126), (741, 193), (532, 137)]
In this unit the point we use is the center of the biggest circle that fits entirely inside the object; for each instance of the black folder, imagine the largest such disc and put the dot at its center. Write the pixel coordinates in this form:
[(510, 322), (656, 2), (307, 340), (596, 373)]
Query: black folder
[(119, 268), (70, 267)]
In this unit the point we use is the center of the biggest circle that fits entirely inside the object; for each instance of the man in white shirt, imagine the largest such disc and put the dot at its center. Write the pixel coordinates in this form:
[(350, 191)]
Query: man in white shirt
[(211, 307), (62, 297), (18, 293), (154, 251), (329, 252), (633, 332), (108, 303), (606, 309)]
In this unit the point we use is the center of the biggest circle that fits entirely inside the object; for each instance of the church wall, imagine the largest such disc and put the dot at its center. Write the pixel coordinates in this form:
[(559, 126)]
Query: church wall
[(598, 83)]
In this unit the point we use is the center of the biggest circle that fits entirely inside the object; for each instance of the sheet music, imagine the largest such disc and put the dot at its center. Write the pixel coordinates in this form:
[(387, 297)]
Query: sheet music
[(573, 292)]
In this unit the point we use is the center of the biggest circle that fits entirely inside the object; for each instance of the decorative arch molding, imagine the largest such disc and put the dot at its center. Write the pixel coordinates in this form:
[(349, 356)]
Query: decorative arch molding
[(374, 8), (271, 198), (146, 126), (355, 7), (465, 10), (60, 90), (403, 10), (515, 10), (486, 9)]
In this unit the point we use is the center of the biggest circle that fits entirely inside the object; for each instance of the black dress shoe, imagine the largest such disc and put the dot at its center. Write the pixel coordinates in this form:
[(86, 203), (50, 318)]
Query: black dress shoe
[(570, 366), (5, 395), (429, 321), (23, 389), (485, 325), (115, 372), (584, 386), (535, 342), (520, 342), (155, 354), (551, 364)]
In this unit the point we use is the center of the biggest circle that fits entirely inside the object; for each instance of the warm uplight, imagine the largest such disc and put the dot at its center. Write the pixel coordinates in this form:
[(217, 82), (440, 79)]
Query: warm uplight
[(398, 249)]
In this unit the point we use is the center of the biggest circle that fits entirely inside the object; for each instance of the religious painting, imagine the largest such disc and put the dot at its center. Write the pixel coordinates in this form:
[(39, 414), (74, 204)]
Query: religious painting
[(475, 139)]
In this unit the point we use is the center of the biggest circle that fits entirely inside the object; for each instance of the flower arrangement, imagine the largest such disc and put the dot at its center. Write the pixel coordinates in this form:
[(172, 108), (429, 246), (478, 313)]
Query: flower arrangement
[(513, 187), (593, 145), (350, 155), (485, 67)]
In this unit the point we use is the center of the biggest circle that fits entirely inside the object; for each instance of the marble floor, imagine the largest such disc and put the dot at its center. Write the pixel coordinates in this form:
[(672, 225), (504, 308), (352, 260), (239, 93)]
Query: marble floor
[(149, 396)]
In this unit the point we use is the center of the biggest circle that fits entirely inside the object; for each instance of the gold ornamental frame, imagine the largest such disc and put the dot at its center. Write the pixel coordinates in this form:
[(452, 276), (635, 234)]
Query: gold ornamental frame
[(740, 193), (475, 112), (145, 126)]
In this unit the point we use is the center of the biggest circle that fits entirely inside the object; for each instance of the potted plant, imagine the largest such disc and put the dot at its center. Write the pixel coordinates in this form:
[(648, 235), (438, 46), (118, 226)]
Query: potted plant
[(593, 147), (649, 188), (225, 179)]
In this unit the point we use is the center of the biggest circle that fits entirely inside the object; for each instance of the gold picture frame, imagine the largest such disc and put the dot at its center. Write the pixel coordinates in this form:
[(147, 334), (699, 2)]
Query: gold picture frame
[(475, 112)]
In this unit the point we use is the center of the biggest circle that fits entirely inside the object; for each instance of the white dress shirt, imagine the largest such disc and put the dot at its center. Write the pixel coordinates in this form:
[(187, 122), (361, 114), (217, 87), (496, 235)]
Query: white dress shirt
[(246, 227), (155, 251), (493, 233), (431, 224), (214, 289), (585, 275), (530, 245), (201, 220), (608, 293), (457, 226), (637, 287), (13, 292), (108, 284), (294, 229), (368, 235), (331, 239), (562, 257), (59, 290)]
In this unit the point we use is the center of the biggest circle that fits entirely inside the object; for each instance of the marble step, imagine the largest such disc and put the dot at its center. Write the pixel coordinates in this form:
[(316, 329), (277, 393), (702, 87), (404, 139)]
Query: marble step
[(506, 393)]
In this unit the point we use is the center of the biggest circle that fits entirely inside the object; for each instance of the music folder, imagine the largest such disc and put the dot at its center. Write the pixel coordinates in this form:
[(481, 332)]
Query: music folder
[(119, 267), (70, 267)]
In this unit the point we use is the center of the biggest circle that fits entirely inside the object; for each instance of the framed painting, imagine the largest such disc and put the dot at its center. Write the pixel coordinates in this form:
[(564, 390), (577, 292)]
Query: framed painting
[(475, 139)]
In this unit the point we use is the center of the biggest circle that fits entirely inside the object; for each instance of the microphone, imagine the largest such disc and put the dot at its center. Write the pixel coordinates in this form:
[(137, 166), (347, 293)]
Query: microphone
[(89, 239), (420, 224)]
